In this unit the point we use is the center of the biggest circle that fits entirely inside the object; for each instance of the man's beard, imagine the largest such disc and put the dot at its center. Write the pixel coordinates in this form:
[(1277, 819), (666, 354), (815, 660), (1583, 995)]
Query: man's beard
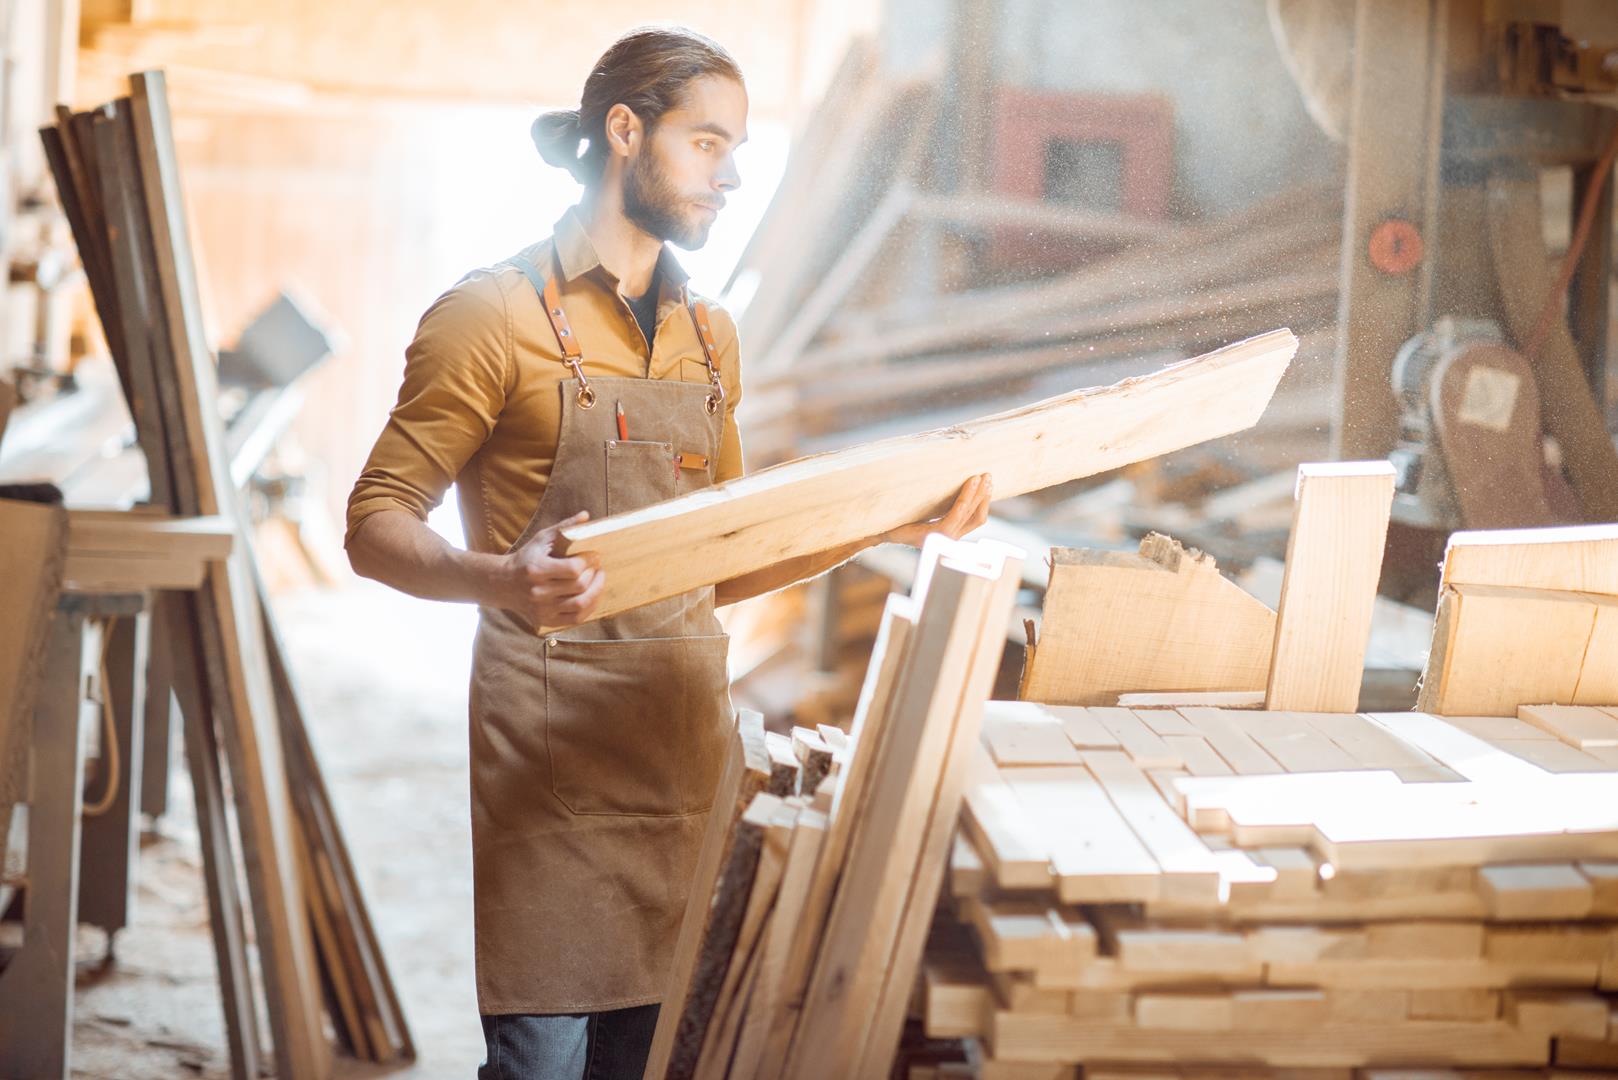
[(652, 203)]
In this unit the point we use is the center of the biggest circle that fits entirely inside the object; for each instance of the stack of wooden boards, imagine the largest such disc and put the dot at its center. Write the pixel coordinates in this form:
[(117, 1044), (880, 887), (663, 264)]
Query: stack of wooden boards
[(1202, 887), (884, 296), (118, 180), (800, 946)]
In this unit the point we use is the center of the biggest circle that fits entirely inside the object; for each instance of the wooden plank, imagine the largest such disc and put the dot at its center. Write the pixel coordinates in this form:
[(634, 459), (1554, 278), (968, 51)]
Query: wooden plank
[(1603, 878), (711, 969), (1190, 874), (1224, 733), (387, 1035), (764, 1004), (1030, 935), (1291, 739), (871, 895), (1570, 558), (1533, 891), (741, 973), (1582, 727), (1199, 756), (746, 773), (853, 785), (1373, 747), (1094, 854), (1022, 733), (119, 193), (1143, 745), (1163, 619), (31, 563), (1334, 558), (823, 502), (1004, 831), (897, 970), (177, 622), (1083, 730), (1176, 699), (1496, 648), (37, 984), (230, 620)]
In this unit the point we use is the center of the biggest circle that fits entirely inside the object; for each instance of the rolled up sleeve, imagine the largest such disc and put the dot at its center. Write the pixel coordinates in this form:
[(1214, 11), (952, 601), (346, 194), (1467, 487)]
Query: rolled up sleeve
[(456, 379)]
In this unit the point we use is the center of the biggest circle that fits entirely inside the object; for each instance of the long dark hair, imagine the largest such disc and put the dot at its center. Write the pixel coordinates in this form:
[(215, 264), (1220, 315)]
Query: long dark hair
[(647, 70)]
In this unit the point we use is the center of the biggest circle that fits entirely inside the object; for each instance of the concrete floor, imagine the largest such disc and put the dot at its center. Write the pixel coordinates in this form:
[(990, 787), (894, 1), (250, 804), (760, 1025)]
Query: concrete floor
[(384, 683)]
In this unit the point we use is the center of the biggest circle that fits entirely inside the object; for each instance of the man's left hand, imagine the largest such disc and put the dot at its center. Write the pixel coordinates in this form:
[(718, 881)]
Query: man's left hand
[(971, 510)]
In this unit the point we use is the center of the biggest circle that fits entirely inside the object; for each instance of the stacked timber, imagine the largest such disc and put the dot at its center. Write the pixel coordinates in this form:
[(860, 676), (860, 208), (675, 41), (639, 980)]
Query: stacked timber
[(801, 944), (118, 179), (1199, 888), (1233, 868)]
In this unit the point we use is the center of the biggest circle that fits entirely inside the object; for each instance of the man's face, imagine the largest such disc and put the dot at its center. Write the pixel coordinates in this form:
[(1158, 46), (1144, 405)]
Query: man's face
[(676, 184)]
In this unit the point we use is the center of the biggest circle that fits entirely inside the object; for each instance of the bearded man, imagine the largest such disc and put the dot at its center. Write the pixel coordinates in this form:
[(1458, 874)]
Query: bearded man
[(579, 378)]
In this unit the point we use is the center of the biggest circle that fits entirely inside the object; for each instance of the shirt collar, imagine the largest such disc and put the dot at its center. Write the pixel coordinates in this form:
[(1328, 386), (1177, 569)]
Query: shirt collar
[(576, 255)]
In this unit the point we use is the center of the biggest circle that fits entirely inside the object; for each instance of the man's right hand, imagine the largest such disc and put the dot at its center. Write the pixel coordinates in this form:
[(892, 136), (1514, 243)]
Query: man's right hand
[(552, 590)]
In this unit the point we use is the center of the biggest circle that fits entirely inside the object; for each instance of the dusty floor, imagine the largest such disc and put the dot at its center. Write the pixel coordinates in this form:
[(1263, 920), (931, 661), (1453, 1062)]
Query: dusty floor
[(384, 682)]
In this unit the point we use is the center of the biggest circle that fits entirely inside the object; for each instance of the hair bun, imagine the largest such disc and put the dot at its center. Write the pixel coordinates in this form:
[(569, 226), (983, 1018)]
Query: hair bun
[(557, 136)]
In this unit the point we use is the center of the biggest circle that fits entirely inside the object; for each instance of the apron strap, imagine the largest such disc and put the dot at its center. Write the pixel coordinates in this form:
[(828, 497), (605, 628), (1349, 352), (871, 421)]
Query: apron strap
[(710, 349), (551, 298)]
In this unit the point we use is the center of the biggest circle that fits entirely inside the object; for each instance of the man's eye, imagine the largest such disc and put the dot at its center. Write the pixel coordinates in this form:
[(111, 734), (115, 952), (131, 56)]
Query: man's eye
[(705, 145)]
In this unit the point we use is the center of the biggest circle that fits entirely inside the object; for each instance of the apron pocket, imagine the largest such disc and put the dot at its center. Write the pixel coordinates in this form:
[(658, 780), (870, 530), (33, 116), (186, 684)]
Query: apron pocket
[(637, 725), (638, 474)]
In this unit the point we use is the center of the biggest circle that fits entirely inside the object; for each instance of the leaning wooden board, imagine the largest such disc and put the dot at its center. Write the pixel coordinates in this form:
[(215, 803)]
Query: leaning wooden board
[(823, 502), (233, 645)]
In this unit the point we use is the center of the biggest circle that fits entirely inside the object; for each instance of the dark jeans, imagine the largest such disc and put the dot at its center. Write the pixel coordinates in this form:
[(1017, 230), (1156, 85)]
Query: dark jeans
[(583, 1046)]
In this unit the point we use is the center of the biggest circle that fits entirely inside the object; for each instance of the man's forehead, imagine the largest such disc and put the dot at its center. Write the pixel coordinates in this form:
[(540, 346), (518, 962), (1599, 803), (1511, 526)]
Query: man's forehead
[(713, 105)]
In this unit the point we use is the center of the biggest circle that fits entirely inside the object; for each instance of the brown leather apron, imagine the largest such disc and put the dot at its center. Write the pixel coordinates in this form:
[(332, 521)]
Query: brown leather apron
[(595, 750)]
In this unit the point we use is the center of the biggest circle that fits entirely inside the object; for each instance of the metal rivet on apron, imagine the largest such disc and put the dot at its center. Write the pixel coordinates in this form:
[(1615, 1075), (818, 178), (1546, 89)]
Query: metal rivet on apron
[(550, 643), (565, 332)]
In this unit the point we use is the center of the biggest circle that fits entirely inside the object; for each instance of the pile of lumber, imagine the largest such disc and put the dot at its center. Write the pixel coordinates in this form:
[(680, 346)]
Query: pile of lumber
[(1230, 867), (885, 295), (1203, 887), (118, 180), (811, 906)]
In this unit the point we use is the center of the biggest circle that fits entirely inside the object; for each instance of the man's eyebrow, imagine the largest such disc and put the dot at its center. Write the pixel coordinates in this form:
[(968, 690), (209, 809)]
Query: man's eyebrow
[(717, 129)]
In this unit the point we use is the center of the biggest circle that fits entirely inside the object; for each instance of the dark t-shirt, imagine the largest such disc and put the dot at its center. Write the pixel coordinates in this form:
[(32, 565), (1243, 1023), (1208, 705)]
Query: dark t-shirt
[(644, 308)]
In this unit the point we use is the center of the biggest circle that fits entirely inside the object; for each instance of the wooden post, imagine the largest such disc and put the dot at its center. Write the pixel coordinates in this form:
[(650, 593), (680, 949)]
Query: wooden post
[(36, 987), (1334, 558), (1394, 137)]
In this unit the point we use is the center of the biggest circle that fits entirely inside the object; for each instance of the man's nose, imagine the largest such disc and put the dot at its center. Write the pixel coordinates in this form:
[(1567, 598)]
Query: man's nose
[(728, 179)]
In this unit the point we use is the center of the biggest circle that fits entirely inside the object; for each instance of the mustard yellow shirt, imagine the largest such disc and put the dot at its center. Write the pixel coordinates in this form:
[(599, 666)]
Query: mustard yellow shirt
[(479, 406)]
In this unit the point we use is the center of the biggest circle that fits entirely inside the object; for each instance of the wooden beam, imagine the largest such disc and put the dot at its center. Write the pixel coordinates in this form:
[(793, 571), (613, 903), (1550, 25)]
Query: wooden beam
[(746, 773), (823, 502), (1334, 557), (118, 551), (1163, 619), (900, 964), (1393, 152), (888, 834), (229, 618), (1495, 649), (1574, 558)]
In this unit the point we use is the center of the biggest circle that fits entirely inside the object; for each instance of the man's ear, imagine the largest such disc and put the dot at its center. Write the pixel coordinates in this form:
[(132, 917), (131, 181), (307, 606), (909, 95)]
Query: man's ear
[(623, 129)]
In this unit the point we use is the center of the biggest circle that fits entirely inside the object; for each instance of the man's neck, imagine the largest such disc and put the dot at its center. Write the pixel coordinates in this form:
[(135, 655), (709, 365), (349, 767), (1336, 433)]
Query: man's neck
[(628, 252)]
